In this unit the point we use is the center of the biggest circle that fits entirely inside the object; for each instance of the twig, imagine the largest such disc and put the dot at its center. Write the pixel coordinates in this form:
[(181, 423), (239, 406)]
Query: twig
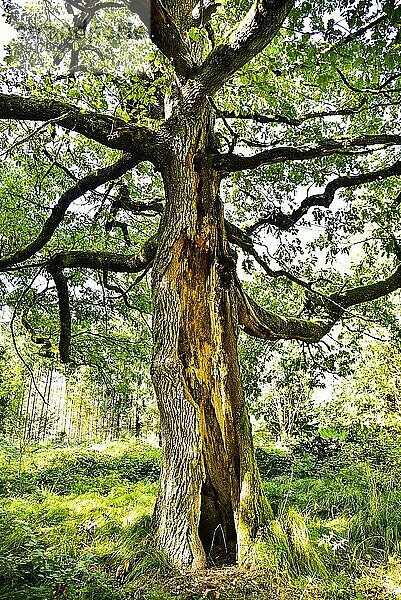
[(219, 526), (33, 133)]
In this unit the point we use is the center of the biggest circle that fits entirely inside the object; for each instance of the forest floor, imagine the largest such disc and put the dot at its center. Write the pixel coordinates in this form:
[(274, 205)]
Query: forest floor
[(74, 520), (232, 583)]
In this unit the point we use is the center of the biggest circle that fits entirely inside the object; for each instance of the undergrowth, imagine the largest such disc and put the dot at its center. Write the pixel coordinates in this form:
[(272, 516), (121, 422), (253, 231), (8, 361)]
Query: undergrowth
[(74, 523)]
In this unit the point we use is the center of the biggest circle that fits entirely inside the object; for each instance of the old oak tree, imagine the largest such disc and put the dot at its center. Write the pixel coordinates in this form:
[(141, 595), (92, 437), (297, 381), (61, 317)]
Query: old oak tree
[(277, 109)]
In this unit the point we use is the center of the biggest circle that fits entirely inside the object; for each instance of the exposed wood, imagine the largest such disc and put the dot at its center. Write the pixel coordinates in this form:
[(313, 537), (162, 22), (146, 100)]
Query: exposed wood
[(196, 372)]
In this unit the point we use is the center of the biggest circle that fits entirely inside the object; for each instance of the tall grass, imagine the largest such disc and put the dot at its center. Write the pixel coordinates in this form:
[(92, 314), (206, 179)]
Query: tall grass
[(286, 546), (74, 523), (60, 537), (375, 529), (341, 522)]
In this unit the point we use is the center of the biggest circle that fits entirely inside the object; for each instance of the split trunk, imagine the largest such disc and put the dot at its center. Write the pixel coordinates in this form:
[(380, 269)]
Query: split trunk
[(210, 504)]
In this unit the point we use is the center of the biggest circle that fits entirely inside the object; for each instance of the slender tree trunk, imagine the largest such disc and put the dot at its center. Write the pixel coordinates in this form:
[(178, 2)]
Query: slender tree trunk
[(46, 408), (27, 404), (210, 502)]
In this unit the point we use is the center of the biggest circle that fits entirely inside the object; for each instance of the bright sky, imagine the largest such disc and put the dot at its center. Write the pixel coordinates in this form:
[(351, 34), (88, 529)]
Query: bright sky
[(6, 33)]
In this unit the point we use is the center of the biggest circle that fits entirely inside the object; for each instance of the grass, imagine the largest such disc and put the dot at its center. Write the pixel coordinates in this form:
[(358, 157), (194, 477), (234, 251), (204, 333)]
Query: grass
[(74, 524), (340, 525), (70, 517), (287, 547)]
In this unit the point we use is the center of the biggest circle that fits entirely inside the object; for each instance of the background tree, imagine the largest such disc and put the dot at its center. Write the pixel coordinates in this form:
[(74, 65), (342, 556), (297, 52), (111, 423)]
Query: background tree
[(370, 397), (12, 381), (286, 403), (285, 113)]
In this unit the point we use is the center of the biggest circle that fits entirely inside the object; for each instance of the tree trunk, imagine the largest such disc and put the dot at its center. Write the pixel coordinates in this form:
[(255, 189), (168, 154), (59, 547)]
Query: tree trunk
[(210, 503)]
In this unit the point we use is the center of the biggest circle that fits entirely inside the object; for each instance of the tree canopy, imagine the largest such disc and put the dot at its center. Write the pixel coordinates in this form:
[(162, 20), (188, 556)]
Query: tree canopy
[(307, 134)]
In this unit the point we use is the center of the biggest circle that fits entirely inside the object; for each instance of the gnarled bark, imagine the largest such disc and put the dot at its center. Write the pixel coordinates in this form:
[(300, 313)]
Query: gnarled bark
[(210, 502)]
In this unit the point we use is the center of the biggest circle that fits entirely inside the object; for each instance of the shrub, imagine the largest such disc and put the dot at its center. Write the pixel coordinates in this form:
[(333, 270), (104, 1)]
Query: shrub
[(273, 462)]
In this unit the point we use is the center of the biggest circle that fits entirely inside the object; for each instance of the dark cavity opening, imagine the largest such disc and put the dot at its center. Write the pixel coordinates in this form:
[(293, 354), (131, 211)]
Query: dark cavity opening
[(217, 529)]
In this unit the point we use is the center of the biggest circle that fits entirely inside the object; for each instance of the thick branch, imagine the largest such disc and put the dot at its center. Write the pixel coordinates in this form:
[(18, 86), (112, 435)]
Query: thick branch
[(259, 322), (105, 129), (369, 292), (103, 261), (164, 33), (61, 283), (106, 261), (329, 147), (86, 184), (124, 202), (262, 323), (286, 221), (155, 205), (250, 37)]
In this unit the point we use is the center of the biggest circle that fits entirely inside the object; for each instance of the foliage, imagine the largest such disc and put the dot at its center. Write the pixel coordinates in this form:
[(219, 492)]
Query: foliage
[(285, 403), (370, 397), (120, 71)]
